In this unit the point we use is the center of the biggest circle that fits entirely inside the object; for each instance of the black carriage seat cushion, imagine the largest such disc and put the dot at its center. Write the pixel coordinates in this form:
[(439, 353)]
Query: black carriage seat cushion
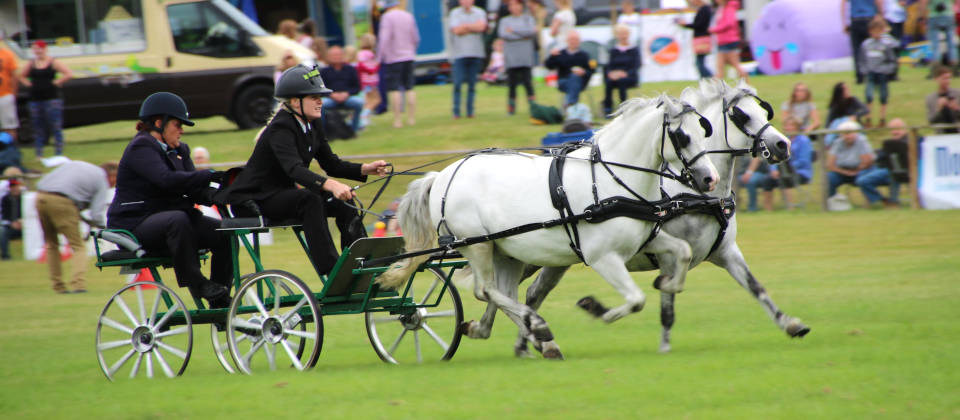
[(234, 223), (123, 254)]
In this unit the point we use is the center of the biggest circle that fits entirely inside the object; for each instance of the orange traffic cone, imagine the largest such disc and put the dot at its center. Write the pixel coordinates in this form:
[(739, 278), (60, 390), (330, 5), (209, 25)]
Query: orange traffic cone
[(144, 275)]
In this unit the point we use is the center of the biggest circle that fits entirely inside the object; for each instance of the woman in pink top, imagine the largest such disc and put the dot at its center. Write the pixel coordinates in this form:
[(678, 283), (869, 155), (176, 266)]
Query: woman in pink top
[(727, 30), (367, 67)]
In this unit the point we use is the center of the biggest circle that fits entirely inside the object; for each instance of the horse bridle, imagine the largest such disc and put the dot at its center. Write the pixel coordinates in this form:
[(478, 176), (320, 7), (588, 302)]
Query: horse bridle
[(680, 140), (740, 120)]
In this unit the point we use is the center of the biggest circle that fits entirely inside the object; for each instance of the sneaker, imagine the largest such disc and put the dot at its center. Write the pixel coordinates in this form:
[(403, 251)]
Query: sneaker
[(511, 109)]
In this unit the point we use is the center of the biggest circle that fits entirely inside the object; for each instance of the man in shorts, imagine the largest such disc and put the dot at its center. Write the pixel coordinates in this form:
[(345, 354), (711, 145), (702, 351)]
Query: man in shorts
[(8, 90), (399, 38)]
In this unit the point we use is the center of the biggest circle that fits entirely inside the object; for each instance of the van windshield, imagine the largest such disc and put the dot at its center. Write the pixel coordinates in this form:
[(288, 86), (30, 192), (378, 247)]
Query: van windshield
[(210, 29)]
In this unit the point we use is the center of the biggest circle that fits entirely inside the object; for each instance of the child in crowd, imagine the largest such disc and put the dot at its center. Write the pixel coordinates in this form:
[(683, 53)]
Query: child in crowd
[(518, 32), (879, 58), (289, 60), (494, 71), (368, 68)]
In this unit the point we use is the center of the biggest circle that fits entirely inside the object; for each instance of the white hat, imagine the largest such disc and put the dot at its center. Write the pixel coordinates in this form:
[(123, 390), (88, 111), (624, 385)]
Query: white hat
[(849, 126)]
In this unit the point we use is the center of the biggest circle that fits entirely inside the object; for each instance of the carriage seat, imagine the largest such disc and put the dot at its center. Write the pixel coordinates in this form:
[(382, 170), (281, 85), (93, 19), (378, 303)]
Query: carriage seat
[(237, 223), (130, 252)]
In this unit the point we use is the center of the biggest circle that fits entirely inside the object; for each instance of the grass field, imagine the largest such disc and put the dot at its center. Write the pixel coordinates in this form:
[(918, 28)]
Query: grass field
[(878, 288)]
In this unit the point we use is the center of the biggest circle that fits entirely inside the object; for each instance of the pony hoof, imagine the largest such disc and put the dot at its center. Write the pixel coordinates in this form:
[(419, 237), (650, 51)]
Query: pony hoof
[(472, 329), (553, 354), (657, 281), (664, 348), (522, 353), (660, 283), (797, 329), (551, 351), (592, 306)]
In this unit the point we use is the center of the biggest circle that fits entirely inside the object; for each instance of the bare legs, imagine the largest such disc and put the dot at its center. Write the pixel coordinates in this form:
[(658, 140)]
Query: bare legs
[(411, 106)]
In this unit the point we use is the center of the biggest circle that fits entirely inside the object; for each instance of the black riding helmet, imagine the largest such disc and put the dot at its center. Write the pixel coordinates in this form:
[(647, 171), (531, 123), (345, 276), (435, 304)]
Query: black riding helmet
[(299, 81), (167, 105)]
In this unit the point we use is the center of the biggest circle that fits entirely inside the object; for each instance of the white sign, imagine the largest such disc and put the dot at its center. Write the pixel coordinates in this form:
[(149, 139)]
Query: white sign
[(939, 172)]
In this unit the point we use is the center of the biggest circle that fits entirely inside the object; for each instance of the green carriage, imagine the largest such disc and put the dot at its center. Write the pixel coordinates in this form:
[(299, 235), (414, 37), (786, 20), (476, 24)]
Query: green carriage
[(274, 318)]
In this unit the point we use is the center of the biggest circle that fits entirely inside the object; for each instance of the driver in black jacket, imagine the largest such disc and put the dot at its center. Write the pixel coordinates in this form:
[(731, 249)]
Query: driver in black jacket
[(281, 161)]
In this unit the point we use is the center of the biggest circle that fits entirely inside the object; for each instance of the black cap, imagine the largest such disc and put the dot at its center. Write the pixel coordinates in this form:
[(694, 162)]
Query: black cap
[(165, 103), (299, 81)]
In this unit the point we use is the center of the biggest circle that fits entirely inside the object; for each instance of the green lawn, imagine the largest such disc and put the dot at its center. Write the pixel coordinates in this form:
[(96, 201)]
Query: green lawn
[(878, 288)]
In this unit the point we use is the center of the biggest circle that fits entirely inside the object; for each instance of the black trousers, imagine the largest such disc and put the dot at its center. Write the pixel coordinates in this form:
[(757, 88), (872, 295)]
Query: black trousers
[(313, 210), (858, 34), (608, 86), (181, 235), (518, 76)]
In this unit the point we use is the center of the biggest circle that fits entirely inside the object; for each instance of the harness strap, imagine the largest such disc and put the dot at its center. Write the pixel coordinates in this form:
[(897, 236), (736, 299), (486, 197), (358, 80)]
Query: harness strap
[(443, 200), (558, 197)]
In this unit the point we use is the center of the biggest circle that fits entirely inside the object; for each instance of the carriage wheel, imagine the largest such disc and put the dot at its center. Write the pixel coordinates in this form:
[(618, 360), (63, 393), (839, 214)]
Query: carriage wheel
[(218, 335), (134, 335), (258, 339), (427, 333)]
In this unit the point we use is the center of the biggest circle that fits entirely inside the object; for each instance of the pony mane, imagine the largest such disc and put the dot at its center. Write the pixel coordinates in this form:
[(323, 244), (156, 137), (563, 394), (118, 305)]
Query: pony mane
[(629, 107)]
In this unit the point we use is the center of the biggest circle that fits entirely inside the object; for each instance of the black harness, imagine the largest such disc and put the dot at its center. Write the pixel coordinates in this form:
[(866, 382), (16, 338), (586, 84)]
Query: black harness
[(659, 211)]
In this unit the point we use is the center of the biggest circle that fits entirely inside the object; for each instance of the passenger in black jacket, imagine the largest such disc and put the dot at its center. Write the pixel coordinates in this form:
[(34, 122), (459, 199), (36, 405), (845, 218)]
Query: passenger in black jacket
[(574, 68), (157, 186), (621, 72), (281, 161)]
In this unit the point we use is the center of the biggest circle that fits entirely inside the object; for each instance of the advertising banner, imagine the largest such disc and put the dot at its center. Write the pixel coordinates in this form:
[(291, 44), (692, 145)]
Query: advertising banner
[(938, 181)]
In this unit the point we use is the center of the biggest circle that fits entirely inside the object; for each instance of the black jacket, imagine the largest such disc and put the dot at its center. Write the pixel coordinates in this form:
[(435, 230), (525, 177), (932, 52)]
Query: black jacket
[(344, 80), (565, 61), (628, 61), (281, 160), (10, 208), (701, 22), (150, 180)]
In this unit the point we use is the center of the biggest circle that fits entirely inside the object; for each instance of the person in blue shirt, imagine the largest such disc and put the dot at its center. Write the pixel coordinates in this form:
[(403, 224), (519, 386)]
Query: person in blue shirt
[(799, 169), (344, 81), (622, 71)]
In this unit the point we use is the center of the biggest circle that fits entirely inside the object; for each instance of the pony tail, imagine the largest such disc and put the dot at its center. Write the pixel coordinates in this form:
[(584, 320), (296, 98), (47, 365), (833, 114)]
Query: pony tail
[(273, 115), (414, 217)]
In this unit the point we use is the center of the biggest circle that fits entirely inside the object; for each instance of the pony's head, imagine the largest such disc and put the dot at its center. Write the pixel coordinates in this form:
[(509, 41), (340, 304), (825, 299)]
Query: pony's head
[(749, 117), (683, 144)]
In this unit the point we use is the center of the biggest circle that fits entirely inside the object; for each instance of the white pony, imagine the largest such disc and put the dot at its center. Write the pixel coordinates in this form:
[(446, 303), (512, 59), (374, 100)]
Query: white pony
[(487, 193), (718, 102)]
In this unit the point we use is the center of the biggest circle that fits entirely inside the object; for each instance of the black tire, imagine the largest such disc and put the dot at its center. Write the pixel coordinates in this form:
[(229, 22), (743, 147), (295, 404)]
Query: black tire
[(253, 106)]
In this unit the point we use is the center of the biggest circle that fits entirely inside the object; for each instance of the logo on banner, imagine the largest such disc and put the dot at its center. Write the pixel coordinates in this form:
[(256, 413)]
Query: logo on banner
[(946, 162), (664, 49)]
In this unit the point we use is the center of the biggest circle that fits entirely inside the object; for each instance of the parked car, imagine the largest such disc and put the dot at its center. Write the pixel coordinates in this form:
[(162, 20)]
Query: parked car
[(120, 51)]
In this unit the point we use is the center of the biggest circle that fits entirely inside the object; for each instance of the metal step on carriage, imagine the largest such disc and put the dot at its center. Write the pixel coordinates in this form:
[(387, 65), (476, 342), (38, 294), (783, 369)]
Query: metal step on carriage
[(274, 319)]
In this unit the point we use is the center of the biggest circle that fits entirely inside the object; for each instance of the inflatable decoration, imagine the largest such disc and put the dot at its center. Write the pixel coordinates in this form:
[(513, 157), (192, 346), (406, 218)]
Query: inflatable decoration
[(790, 32)]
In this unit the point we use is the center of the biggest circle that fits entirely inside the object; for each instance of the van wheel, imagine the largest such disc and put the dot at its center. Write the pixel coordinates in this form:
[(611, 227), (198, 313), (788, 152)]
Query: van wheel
[(253, 106)]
